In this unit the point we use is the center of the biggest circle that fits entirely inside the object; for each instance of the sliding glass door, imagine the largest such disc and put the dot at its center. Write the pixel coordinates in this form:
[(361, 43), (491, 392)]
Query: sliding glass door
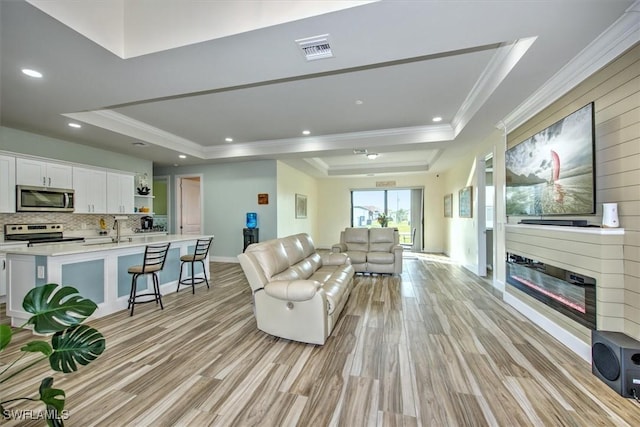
[(401, 207)]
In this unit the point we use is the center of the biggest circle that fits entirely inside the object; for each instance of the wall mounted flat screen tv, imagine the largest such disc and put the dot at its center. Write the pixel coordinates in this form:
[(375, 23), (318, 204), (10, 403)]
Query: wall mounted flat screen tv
[(553, 172)]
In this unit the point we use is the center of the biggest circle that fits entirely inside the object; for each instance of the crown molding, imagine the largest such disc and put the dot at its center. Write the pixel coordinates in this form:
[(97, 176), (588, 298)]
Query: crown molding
[(125, 125), (614, 41), (334, 142), (500, 65)]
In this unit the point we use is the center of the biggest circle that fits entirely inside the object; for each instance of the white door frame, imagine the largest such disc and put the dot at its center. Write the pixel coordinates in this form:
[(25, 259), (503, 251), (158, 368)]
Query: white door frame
[(178, 199), (481, 212)]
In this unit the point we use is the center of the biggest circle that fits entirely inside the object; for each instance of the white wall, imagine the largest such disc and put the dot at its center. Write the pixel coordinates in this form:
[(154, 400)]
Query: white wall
[(290, 182), (230, 190), (461, 234), (334, 205)]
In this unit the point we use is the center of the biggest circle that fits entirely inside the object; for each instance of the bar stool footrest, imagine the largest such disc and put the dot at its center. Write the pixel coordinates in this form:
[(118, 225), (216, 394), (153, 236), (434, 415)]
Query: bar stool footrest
[(156, 297), (196, 281)]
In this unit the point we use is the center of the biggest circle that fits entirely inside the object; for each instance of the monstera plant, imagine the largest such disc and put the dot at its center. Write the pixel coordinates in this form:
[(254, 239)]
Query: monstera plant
[(57, 310)]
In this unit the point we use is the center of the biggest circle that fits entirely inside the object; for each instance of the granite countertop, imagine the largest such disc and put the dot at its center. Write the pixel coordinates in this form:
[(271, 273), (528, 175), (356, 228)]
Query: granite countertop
[(85, 247)]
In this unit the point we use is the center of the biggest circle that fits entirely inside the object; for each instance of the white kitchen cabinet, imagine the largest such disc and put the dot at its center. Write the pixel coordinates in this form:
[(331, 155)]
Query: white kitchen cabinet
[(119, 193), (43, 174), (7, 184), (90, 187)]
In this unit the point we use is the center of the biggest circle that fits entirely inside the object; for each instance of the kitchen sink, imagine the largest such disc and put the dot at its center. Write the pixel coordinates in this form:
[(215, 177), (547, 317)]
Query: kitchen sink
[(128, 240)]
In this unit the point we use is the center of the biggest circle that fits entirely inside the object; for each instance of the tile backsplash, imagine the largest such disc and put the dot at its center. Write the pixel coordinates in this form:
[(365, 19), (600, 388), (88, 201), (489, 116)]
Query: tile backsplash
[(74, 224)]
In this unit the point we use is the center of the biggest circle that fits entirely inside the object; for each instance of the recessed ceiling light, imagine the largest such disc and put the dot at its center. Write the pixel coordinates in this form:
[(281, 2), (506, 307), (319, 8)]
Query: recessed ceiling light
[(306, 132), (437, 119), (228, 139), (372, 156), (182, 156), (75, 125), (359, 102), (32, 73)]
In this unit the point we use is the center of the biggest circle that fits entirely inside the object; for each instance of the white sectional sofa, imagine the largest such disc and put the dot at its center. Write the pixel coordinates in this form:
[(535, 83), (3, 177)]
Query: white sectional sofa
[(371, 250), (298, 293)]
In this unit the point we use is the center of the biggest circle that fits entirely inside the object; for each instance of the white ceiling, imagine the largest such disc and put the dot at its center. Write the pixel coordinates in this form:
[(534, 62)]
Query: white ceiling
[(153, 71)]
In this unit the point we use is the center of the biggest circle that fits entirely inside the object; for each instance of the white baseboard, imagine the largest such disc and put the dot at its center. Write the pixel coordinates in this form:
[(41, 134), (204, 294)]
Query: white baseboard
[(574, 343)]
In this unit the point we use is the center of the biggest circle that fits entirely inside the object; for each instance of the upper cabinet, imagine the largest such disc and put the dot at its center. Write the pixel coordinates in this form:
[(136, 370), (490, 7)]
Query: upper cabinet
[(43, 174), (119, 193), (90, 186), (7, 184)]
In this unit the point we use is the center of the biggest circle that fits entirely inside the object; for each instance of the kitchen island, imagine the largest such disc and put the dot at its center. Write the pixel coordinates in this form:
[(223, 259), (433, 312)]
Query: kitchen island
[(97, 270)]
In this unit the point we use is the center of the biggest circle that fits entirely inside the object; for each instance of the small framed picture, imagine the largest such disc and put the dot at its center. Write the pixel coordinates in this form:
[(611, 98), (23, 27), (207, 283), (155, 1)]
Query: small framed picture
[(301, 206), (465, 201), (263, 199), (448, 205)]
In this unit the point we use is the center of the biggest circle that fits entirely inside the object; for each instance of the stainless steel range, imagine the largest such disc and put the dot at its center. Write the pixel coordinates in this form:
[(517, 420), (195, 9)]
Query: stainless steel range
[(37, 234)]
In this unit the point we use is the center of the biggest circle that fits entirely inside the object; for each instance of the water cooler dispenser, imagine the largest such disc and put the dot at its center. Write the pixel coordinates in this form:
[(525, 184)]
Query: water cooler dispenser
[(251, 232)]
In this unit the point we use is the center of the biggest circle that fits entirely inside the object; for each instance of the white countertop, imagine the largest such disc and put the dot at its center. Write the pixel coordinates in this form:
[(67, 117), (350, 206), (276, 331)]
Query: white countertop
[(84, 247)]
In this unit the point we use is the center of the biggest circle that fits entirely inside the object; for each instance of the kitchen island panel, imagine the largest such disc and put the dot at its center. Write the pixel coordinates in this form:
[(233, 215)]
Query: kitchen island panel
[(171, 269), (89, 267), (87, 277), (21, 275), (124, 278)]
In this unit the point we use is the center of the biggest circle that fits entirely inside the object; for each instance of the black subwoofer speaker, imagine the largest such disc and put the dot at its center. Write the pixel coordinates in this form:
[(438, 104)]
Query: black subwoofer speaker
[(615, 359)]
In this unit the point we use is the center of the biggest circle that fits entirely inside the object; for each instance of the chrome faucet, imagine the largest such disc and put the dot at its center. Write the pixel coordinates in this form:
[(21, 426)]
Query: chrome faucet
[(116, 226)]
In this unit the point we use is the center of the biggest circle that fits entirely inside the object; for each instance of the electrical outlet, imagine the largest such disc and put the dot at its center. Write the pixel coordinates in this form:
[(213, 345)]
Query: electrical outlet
[(41, 272)]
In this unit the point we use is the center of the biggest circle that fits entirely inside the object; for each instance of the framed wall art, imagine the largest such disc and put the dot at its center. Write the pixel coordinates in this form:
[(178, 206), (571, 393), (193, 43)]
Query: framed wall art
[(448, 205), (465, 202), (301, 206)]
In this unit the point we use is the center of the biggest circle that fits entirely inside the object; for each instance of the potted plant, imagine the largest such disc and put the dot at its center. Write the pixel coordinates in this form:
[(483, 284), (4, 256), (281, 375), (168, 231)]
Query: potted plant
[(383, 219), (57, 310)]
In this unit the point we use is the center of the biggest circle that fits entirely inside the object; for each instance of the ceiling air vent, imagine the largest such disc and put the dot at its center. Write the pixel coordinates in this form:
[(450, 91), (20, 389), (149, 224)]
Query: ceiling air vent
[(316, 47), (359, 151)]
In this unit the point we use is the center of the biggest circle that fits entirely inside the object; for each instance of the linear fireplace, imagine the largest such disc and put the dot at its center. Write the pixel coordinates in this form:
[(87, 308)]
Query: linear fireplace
[(570, 293)]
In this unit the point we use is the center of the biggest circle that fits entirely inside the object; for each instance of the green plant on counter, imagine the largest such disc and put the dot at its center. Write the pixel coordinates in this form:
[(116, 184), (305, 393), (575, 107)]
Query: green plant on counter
[(59, 310)]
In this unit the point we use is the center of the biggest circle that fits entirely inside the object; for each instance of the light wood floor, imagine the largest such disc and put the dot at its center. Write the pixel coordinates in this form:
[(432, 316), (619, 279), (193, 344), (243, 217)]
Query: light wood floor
[(433, 347)]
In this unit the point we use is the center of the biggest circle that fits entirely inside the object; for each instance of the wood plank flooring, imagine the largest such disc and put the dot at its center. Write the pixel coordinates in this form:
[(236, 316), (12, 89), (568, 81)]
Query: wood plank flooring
[(433, 347)]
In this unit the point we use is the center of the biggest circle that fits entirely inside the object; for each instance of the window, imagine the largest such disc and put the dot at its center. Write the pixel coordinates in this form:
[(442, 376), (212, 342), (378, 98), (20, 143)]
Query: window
[(396, 204)]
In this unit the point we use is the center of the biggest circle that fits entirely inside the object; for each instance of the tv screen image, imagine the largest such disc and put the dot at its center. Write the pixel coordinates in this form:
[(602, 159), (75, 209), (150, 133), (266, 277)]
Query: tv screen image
[(552, 173)]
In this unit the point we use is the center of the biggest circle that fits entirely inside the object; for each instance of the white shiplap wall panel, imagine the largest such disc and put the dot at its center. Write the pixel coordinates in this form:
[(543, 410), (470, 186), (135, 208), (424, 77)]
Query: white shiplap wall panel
[(615, 91)]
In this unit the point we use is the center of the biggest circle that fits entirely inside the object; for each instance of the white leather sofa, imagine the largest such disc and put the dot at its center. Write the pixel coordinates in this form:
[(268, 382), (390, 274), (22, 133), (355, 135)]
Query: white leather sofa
[(298, 293), (371, 250)]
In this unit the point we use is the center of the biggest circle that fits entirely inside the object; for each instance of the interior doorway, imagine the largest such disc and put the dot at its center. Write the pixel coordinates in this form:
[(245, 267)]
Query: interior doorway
[(161, 194), (486, 200), (189, 204)]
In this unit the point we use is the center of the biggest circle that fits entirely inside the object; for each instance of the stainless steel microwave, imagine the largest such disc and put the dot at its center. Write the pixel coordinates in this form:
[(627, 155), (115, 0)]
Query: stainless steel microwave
[(43, 199)]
